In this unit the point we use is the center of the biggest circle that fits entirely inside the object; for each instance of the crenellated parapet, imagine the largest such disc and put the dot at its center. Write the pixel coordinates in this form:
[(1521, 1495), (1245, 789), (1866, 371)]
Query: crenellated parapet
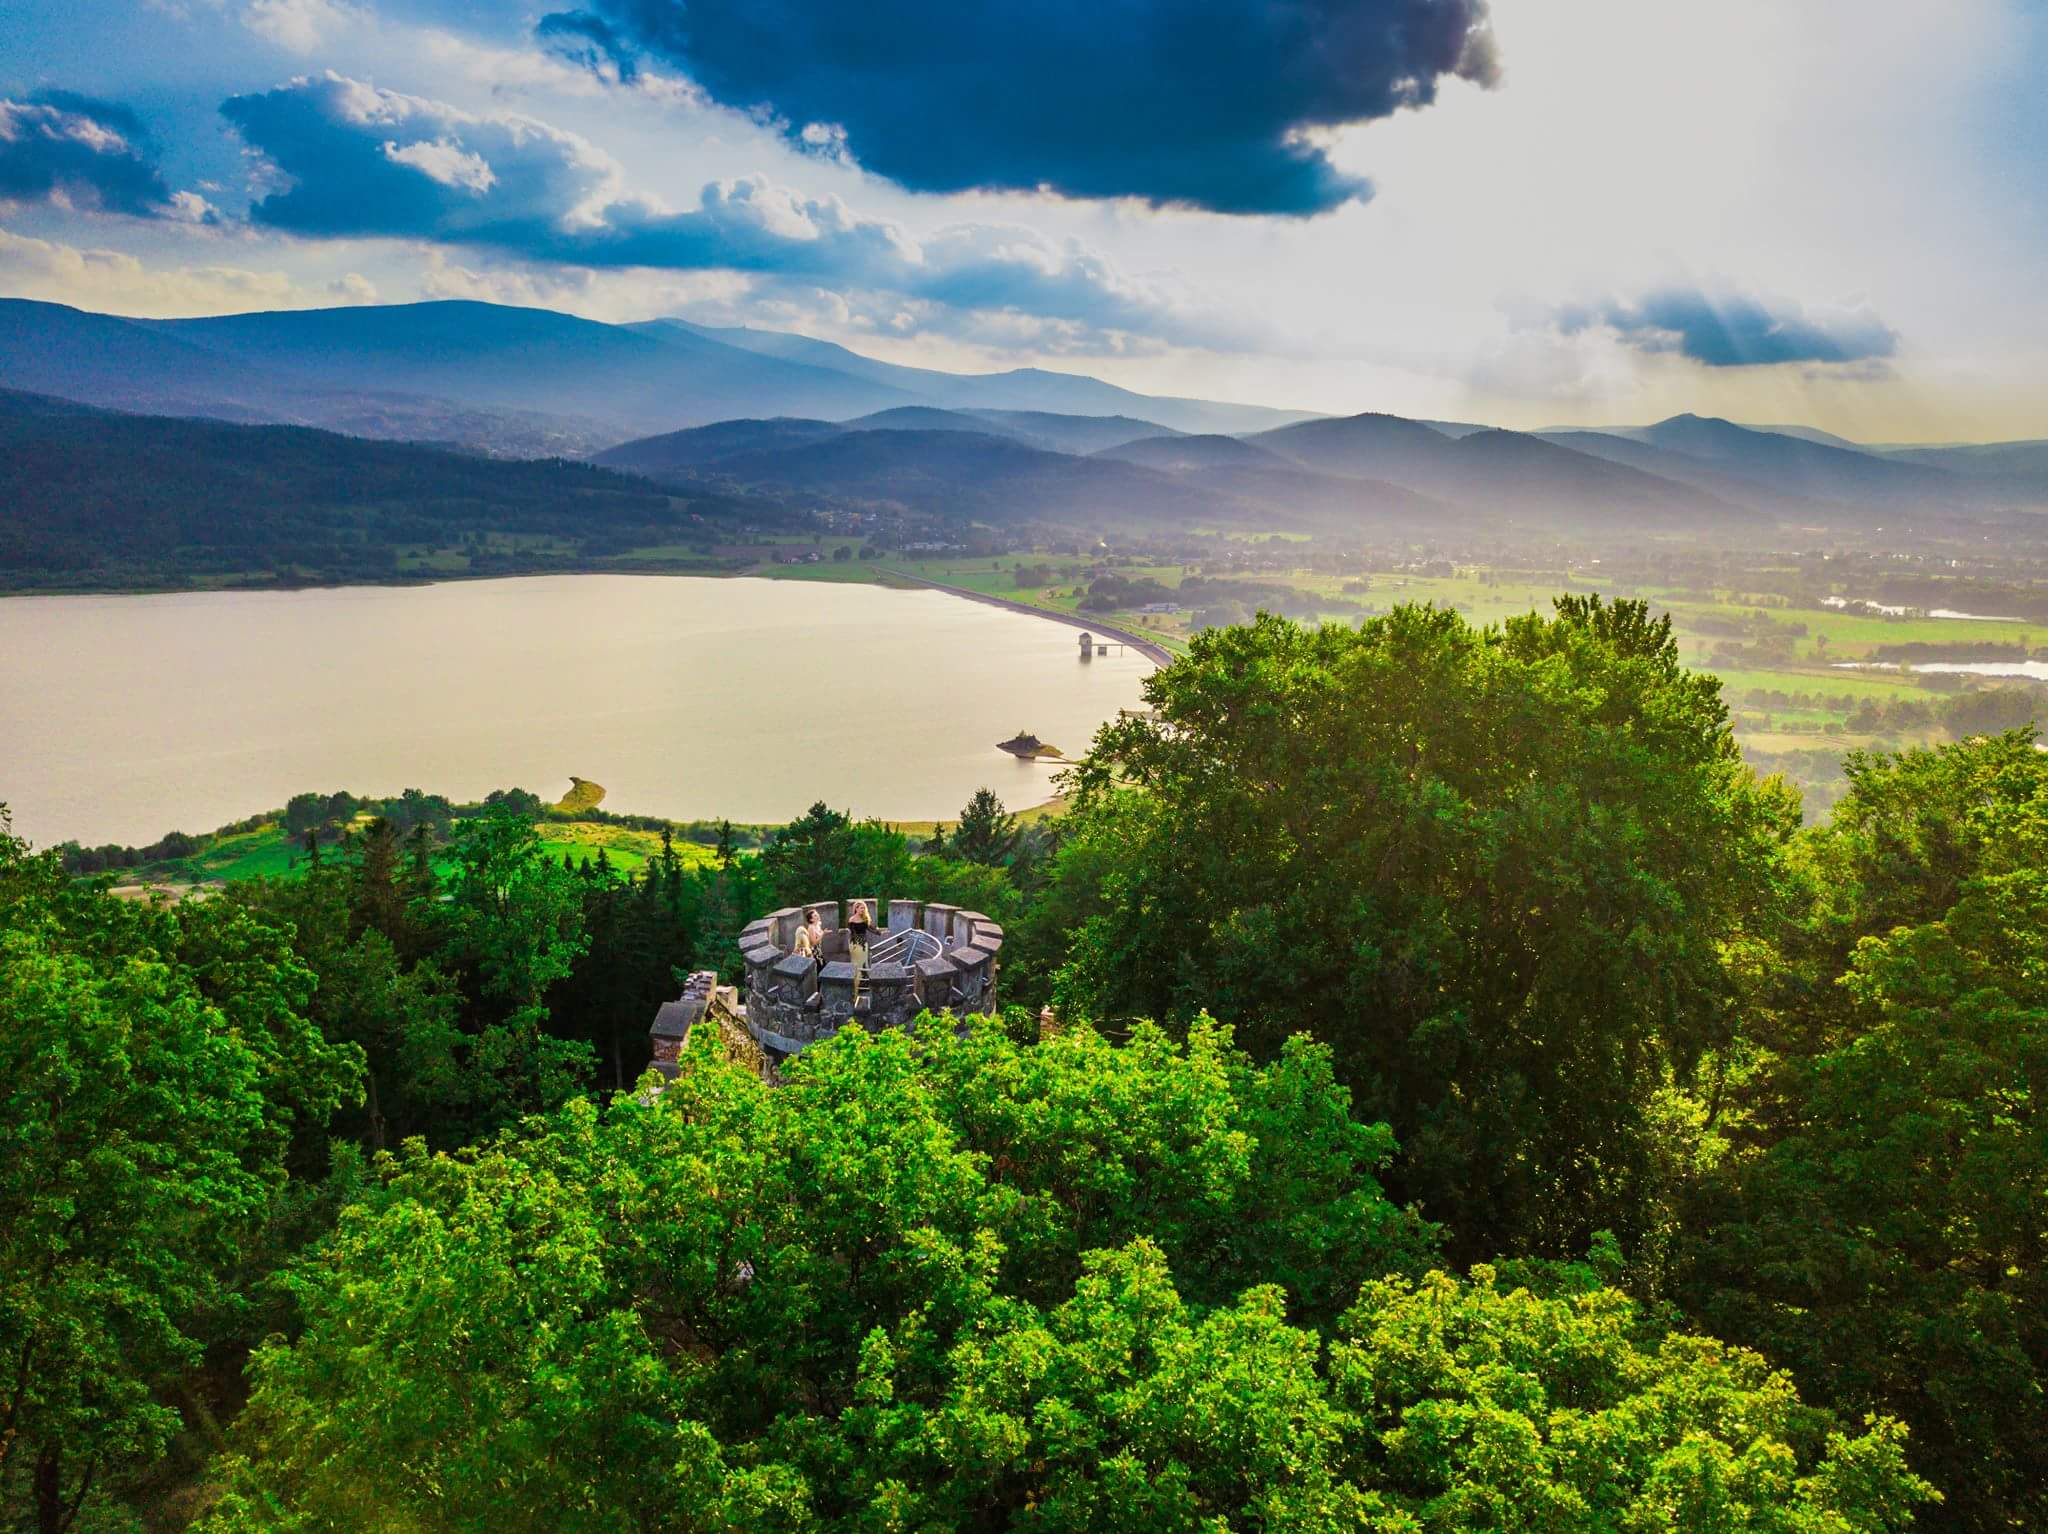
[(920, 956)]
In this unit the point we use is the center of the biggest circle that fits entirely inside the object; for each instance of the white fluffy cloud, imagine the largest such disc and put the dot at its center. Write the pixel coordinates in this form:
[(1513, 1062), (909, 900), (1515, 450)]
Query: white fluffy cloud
[(354, 161), (303, 26)]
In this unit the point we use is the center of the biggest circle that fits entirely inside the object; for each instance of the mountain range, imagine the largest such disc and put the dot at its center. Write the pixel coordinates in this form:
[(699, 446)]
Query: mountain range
[(98, 497), (794, 417), (519, 382), (1357, 475)]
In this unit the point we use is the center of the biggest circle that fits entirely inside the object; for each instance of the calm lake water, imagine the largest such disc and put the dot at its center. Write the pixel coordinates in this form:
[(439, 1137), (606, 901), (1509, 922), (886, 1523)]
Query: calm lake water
[(2035, 670), (124, 717)]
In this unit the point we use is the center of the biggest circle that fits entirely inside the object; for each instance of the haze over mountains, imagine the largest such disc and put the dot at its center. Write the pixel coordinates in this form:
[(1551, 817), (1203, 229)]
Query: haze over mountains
[(740, 410), (564, 384)]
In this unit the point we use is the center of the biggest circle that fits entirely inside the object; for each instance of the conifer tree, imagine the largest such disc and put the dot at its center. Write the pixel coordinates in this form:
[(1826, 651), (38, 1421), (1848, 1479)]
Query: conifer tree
[(987, 833)]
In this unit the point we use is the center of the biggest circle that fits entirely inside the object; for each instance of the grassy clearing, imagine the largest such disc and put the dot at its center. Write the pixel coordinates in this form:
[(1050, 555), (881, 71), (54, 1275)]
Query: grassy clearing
[(270, 852), (1829, 684), (624, 848), (1851, 636)]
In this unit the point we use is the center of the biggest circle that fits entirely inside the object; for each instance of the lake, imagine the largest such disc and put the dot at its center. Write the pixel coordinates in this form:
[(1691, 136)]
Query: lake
[(123, 717), (2033, 670)]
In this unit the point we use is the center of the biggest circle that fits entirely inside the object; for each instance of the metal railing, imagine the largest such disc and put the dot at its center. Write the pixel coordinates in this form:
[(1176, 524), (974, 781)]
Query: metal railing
[(905, 946)]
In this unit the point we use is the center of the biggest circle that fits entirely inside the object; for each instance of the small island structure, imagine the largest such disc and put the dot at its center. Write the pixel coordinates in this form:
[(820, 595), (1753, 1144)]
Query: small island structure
[(1027, 747), (919, 957)]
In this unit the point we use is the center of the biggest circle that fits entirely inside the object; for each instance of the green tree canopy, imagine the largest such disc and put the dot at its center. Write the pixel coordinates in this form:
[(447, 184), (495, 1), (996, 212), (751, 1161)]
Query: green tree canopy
[(154, 1065), (987, 833), (1880, 1226), (953, 1283), (1495, 869), (824, 855)]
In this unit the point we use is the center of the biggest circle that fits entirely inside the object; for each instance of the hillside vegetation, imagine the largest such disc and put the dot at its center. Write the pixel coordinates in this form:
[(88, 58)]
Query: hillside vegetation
[(93, 497), (1473, 1100)]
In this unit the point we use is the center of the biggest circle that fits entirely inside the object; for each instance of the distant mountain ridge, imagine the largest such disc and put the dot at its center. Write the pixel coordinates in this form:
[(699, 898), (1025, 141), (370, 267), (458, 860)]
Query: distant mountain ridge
[(100, 496), (1356, 475), (518, 381), (523, 382), (1032, 389)]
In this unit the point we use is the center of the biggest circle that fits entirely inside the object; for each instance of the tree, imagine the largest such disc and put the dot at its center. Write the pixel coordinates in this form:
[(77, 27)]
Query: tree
[(1496, 869), (823, 855), (904, 1290), (380, 899), (514, 922), (512, 913), (986, 832), (1878, 1226), (143, 1136)]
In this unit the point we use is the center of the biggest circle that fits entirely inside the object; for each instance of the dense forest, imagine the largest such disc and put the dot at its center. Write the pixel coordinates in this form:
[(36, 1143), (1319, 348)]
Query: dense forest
[(97, 498), (1474, 1101)]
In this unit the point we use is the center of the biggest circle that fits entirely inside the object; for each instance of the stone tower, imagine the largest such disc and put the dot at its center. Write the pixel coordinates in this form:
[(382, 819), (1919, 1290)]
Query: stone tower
[(921, 957)]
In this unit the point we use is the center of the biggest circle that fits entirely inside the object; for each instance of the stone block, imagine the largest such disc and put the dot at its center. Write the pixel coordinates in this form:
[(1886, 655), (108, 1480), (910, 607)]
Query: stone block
[(938, 921), (890, 1000), (835, 984), (974, 967), (783, 925), (796, 978), (904, 914), (933, 981)]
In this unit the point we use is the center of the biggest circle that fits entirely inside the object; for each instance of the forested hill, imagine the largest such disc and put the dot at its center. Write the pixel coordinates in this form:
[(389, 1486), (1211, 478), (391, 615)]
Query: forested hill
[(1541, 1129), (99, 497)]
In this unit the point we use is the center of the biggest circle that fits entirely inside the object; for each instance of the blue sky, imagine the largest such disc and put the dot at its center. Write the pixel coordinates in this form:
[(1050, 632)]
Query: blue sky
[(1519, 211)]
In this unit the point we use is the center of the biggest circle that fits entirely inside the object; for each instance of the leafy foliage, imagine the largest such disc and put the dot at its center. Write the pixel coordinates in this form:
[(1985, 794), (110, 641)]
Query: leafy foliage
[(1880, 1230), (903, 1291), (1510, 891), (155, 1067), (1494, 869)]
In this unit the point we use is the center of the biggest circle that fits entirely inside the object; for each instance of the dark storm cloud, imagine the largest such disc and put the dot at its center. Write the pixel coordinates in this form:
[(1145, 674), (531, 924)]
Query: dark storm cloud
[(91, 153), (1728, 330), (1197, 105), (356, 161), (590, 41)]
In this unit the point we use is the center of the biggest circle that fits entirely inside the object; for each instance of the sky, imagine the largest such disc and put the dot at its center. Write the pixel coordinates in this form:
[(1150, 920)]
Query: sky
[(1526, 212)]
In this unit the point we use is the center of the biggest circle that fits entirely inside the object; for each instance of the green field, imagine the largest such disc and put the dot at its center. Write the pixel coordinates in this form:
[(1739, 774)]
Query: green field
[(269, 851), (1750, 641)]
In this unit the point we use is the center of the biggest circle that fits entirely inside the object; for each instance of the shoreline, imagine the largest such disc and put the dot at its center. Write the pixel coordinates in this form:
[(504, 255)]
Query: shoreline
[(1038, 799), (900, 580), (1153, 651)]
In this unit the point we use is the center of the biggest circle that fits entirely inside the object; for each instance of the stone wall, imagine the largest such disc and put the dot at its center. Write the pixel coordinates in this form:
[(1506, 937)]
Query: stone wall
[(792, 1001), (706, 1004)]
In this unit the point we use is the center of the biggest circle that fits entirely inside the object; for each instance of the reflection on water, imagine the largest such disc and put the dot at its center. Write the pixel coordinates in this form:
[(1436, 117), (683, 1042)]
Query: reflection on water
[(122, 718), (2035, 669), (1891, 610)]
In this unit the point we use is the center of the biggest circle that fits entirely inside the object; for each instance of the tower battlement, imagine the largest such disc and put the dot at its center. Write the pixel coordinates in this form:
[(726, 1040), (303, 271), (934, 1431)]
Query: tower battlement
[(920, 956)]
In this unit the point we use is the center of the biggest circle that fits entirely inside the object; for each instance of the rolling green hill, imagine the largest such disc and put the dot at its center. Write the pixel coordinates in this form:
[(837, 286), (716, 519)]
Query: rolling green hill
[(90, 496)]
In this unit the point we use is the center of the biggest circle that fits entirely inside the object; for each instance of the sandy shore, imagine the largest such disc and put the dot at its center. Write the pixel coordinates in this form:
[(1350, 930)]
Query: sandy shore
[(1156, 653)]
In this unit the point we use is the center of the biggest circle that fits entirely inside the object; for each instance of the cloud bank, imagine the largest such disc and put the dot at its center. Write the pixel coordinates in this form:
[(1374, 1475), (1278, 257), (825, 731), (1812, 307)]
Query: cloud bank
[(1736, 330), (60, 146), (357, 161), (1205, 106)]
